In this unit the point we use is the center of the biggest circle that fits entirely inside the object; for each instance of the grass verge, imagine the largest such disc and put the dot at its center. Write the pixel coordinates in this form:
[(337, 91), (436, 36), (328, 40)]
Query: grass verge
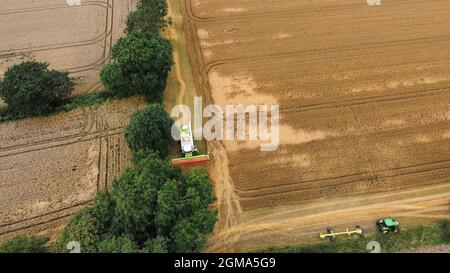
[(407, 240), (87, 100), (180, 87)]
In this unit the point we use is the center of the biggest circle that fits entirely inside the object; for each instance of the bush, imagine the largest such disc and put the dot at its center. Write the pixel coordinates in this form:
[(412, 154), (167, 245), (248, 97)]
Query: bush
[(20, 244), (149, 17), (83, 228), (30, 88), (141, 65), (150, 128)]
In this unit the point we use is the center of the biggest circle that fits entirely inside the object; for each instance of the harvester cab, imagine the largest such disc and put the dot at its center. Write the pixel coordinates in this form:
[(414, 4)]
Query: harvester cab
[(387, 225), (188, 148)]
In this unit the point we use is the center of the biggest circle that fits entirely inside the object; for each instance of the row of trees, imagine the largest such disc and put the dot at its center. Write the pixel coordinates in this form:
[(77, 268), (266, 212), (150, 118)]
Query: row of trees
[(142, 60), (153, 207)]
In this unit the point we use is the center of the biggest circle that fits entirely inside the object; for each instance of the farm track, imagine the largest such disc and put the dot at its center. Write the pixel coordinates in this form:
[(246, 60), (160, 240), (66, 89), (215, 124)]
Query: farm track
[(246, 201)]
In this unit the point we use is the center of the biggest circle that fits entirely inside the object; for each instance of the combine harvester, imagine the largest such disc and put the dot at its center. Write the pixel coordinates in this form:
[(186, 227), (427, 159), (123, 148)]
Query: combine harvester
[(188, 148)]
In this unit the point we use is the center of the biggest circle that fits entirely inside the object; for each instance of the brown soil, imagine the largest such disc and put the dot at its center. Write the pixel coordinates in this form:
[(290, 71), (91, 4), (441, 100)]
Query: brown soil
[(365, 113)]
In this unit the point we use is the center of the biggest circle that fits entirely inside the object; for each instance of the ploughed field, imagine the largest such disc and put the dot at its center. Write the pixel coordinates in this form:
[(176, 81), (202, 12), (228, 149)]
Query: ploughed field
[(50, 167), (364, 96)]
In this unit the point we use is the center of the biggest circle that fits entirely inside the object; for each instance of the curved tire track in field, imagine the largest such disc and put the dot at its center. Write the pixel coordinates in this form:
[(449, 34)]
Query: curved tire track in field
[(191, 14), (85, 135), (338, 181), (102, 38), (227, 235), (54, 215), (96, 64)]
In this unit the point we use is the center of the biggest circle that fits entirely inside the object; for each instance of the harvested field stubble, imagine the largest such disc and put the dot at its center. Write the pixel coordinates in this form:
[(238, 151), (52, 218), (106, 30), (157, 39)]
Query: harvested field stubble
[(364, 94), (73, 38), (48, 174), (50, 167)]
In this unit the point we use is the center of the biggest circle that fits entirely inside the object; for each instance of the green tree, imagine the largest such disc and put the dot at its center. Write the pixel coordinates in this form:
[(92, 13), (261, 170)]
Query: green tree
[(148, 17), (21, 244), (153, 208), (30, 88), (154, 199), (122, 244), (141, 64), (155, 245), (150, 128)]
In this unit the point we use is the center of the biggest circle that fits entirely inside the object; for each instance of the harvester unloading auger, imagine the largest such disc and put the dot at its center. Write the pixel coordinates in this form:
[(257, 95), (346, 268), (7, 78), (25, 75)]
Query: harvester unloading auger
[(188, 148)]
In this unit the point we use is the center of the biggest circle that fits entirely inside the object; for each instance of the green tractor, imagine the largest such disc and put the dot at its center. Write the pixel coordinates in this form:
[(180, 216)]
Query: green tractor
[(387, 225)]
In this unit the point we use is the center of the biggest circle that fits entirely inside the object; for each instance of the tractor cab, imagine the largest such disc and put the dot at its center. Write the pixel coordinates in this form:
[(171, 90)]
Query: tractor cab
[(387, 225)]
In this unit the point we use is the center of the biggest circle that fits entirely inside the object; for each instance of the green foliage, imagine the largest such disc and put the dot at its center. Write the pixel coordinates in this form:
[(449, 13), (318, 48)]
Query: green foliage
[(93, 99), (21, 244), (150, 128), (83, 228), (406, 240), (30, 88), (149, 17), (445, 225), (153, 207), (6, 115), (123, 244), (141, 65), (155, 245)]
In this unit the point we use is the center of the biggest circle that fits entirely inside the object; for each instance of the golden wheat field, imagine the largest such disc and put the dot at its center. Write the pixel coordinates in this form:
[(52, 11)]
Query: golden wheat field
[(364, 96)]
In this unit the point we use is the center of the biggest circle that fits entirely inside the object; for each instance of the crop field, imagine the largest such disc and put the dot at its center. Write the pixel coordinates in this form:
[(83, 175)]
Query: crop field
[(364, 96), (47, 173), (74, 38), (50, 167)]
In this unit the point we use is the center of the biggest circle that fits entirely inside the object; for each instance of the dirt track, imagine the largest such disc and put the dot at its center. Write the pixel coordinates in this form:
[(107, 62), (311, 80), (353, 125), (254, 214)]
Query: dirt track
[(364, 94)]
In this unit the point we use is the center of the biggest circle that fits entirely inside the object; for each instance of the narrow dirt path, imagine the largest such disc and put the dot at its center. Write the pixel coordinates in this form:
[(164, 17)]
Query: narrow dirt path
[(173, 36), (182, 91)]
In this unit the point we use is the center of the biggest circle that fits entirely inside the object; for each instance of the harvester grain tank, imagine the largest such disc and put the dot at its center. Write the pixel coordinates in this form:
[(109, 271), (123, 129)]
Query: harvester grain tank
[(188, 148)]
